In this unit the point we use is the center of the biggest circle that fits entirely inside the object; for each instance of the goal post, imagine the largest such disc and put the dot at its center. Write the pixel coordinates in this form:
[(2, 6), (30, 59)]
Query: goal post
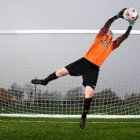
[(27, 54)]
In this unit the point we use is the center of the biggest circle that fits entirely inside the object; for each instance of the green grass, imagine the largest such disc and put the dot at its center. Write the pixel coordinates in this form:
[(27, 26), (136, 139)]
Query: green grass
[(68, 129)]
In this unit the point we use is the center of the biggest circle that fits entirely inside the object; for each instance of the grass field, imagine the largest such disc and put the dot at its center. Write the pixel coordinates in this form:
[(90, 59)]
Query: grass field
[(68, 129)]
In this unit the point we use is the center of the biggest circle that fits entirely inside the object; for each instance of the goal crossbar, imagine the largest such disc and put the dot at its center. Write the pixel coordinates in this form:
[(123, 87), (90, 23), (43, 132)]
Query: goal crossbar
[(4, 32)]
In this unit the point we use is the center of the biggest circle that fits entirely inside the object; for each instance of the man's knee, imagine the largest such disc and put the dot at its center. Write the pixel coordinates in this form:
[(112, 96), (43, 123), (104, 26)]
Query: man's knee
[(89, 92), (61, 72)]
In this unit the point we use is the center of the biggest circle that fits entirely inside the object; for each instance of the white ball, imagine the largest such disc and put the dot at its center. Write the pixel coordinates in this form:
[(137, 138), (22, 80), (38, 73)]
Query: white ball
[(130, 14)]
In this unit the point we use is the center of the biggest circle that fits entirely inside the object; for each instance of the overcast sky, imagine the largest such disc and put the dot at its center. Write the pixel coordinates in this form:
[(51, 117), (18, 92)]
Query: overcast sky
[(61, 14), (24, 57)]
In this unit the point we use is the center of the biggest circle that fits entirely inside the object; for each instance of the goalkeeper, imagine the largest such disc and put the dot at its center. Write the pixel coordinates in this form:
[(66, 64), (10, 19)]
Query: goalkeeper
[(88, 66)]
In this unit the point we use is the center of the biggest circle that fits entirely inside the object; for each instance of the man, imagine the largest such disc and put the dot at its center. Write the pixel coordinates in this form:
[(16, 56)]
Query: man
[(88, 66)]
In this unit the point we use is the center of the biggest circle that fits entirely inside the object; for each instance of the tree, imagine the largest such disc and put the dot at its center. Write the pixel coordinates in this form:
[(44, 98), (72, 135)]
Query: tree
[(16, 91), (74, 98), (4, 96), (28, 92), (75, 94), (107, 97), (132, 99)]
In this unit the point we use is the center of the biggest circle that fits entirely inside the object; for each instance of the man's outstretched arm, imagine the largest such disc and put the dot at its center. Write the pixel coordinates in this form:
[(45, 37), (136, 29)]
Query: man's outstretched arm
[(119, 40), (107, 25)]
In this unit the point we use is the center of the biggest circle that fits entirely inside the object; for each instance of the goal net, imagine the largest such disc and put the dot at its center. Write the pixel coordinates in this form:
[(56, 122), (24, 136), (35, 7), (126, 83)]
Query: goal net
[(25, 55)]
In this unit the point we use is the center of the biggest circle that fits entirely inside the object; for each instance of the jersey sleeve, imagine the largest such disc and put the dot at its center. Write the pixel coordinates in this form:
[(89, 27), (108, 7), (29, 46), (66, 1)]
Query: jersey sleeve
[(106, 27), (119, 40)]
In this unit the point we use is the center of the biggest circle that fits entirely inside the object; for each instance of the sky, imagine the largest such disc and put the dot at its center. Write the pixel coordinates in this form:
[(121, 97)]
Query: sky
[(23, 57), (62, 14)]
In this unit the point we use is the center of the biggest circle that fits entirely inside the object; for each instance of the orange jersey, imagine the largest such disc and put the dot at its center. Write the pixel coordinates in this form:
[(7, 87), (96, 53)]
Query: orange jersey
[(99, 50), (103, 46)]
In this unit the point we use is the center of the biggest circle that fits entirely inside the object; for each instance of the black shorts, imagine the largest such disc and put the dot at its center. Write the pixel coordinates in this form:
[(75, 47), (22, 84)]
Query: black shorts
[(86, 69)]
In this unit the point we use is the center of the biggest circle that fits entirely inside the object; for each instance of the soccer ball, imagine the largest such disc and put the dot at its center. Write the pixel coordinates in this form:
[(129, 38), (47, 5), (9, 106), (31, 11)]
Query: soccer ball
[(130, 14)]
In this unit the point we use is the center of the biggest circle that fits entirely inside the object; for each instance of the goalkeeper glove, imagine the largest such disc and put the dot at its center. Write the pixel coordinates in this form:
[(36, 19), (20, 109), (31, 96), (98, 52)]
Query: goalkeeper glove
[(120, 14), (131, 24)]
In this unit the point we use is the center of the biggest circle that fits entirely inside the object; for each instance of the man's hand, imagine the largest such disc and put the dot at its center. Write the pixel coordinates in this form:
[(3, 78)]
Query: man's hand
[(120, 14), (131, 24)]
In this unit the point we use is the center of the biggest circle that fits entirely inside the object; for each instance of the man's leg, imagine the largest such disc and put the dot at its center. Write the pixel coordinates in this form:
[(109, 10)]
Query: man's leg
[(87, 101), (59, 73)]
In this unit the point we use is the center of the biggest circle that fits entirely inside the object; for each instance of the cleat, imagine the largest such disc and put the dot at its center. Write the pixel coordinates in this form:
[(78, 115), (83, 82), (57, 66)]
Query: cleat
[(82, 123), (37, 81)]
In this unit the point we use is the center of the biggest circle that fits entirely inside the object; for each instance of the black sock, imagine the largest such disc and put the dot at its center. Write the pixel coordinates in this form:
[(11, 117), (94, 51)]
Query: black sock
[(50, 78), (86, 108), (84, 115)]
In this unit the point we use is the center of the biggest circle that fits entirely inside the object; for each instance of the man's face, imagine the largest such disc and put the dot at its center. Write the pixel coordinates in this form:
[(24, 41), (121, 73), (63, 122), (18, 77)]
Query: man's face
[(110, 35)]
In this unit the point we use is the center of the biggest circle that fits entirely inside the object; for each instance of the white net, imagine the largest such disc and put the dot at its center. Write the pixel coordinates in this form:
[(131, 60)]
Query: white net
[(25, 56)]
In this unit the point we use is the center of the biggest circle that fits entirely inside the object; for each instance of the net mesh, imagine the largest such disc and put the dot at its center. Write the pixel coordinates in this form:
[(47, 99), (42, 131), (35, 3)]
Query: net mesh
[(27, 56)]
